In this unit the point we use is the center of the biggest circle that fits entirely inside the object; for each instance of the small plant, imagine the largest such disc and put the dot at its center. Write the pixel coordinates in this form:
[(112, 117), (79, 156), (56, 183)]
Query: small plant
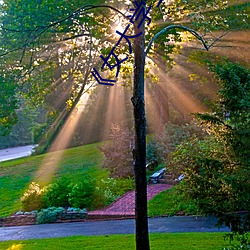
[(109, 189), (243, 242), (103, 195), (33, 197), (76, 210), (48, 215)]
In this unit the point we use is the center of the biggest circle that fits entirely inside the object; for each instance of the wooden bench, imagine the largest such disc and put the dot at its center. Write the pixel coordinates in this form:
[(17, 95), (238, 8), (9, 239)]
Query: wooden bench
[(155, 177), (182, 176)]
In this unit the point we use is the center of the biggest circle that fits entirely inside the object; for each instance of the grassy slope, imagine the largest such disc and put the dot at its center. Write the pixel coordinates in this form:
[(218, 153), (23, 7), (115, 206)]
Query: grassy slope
[(16, 175), (173, 241), (169, 203)]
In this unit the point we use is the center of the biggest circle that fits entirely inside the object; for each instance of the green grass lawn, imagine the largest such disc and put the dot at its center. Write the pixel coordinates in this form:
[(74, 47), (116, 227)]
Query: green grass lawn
[(16, 175), (169, 203), (171, 241)]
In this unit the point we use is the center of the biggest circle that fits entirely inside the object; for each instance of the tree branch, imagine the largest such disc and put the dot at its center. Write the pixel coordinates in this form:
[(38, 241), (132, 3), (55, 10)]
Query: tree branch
[(193, 32), (76, 12), (42, 29)]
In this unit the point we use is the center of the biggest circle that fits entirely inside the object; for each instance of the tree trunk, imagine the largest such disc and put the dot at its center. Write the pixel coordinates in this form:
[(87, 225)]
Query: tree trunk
[(139, 151)]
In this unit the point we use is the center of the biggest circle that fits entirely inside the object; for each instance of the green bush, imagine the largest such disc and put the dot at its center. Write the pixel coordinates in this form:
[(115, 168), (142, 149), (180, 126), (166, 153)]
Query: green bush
[(109, 189), (152, 155), (38, 131), (123, 185), (33, 198), (103, 195), (57, 193), (242, 241), (48, 215), (88, 193), (81, 194)]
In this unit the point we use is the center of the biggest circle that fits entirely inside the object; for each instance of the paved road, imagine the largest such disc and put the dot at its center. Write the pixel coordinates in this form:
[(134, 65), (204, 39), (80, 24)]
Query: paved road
[(156, 225), (14, 153)]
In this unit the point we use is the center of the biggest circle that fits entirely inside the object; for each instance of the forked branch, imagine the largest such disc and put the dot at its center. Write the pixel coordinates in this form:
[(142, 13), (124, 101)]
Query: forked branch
[(191, 31)]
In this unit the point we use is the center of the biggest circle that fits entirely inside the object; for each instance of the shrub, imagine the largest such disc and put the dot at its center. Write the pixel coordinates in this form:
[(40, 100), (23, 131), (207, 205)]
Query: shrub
[(123, 185), (38, 131), (33, 197), (243, 242), (152, 155), (48, 215), (109, 189), (57, 193), (73, 209), (81, 194), (103, 194)]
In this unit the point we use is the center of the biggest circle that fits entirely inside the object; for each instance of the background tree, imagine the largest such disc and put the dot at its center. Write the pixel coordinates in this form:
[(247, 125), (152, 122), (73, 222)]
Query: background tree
[(118, 156), (216, 168), (8, 105)]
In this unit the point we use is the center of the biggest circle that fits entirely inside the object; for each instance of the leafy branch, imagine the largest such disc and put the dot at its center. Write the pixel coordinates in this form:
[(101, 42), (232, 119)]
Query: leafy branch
[(193, 32), (44, 28)]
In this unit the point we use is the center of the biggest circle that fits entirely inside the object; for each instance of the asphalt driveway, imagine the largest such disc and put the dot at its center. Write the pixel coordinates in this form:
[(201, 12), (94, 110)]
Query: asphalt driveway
[(156, 225), (17, 152)]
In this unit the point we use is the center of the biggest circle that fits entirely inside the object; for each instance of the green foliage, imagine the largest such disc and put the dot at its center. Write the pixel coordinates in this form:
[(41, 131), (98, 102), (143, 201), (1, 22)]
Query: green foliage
[(57, 193), (48, 215), (103, 193), (216, 168), (236, 16), (39, 131), (205, 175), (152, 156), (32, 198), (108, 190), (22, 132), (65, 193), (242, 241), (8, 105), (81, 194), (118, 153), (89, 193), (166, 141)]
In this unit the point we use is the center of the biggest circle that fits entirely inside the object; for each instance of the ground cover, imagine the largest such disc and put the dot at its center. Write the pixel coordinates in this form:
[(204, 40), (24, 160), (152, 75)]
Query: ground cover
[(170, 241)]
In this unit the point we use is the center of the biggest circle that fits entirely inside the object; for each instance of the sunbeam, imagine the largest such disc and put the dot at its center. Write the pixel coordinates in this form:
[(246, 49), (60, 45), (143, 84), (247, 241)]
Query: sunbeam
[(51, 161)]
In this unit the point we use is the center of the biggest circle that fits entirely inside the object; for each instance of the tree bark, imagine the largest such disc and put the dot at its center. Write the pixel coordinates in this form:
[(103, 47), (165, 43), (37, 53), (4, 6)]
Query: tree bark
[(139, 151)]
